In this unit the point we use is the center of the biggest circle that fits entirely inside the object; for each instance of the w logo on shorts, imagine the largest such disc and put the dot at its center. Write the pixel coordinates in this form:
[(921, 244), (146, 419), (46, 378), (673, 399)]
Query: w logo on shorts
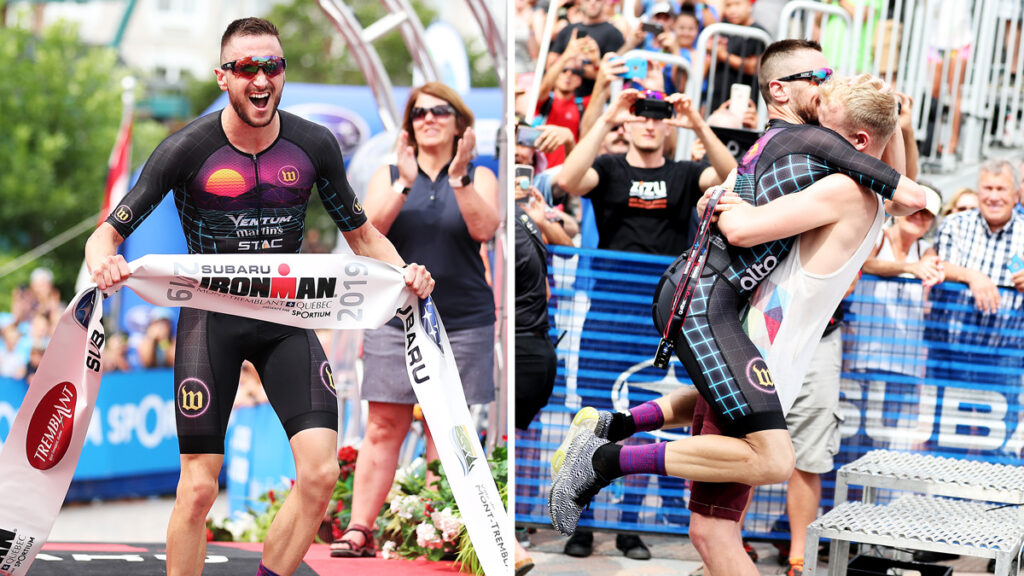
[(193, 398), (759, 375)]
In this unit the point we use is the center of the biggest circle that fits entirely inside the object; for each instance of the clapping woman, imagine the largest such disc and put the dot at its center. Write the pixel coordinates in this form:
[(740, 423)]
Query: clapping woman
[(437, 208)]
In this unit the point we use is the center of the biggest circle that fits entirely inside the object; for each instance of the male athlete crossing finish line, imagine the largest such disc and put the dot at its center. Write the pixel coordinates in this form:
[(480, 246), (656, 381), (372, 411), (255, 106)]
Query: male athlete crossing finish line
[(241, 180)]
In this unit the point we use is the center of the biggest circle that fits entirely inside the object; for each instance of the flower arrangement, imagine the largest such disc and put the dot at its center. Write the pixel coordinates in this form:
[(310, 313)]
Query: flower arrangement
[(416, 521)]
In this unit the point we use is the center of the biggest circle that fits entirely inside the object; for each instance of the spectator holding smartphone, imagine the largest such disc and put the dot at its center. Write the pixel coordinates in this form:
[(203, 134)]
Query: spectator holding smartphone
[(603, 37), (734, 58), (558, 103)]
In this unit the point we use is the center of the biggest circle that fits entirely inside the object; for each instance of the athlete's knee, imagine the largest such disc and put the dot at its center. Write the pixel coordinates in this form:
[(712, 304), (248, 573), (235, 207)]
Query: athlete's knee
[(197, 493), (774, 457), (318, 478), (710, 534)]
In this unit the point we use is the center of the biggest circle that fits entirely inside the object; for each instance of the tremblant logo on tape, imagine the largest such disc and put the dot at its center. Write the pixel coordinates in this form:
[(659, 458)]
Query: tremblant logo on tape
[(464, 448), (282, 287), (51, 426), (84, 308)]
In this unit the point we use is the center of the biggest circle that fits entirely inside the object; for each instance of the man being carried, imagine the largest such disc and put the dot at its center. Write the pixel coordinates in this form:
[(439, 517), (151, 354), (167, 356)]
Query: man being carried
[(733, 379)]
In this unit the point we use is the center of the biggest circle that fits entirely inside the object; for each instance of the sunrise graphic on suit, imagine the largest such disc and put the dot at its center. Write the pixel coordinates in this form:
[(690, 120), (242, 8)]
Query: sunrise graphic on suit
[(226, 182)]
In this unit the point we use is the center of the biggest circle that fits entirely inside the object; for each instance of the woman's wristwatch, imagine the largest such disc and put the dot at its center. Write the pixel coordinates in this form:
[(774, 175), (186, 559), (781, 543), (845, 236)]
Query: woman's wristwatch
[(462, 182), (399, 189)]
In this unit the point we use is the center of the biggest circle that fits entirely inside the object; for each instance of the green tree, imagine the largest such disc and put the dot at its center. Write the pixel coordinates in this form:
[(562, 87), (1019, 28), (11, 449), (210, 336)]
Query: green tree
[(61, 105)]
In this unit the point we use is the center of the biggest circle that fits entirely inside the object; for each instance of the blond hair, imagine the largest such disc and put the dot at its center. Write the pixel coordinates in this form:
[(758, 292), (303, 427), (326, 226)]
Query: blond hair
[(868, 104), (950, 205)]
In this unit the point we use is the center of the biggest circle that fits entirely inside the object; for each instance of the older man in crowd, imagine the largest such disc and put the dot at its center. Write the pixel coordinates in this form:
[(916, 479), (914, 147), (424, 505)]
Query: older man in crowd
[(981, 247)]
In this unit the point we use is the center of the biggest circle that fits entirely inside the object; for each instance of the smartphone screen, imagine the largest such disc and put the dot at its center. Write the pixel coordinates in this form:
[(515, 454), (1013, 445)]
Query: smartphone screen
[(652, 27), (527, 136), (524, 176)]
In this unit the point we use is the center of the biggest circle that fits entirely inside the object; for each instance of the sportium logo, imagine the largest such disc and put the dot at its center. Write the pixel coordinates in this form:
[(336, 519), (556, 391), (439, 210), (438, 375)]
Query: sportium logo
[(759, 375), (51, 426), (283, 286), (193, 397)]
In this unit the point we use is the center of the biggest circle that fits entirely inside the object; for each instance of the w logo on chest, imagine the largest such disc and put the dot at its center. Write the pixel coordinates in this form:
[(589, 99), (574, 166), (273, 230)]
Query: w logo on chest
[(648, 195)]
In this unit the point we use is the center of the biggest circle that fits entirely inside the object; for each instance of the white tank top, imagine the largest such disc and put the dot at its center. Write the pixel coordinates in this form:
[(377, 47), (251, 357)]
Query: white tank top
[(790, 309)]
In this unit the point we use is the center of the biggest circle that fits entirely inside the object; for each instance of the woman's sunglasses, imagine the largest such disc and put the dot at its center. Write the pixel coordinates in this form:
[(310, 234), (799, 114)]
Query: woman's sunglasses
[(250, 66), (440, 111), (817, 77)]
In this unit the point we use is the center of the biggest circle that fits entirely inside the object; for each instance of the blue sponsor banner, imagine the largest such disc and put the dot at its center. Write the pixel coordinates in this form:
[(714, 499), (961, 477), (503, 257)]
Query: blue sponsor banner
[(132, 432), (932, 376), (251, 474)]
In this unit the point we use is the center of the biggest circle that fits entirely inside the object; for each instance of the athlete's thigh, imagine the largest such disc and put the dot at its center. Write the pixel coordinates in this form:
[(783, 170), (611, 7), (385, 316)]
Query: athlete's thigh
[(206, 368), (723, 363), (297, 379)]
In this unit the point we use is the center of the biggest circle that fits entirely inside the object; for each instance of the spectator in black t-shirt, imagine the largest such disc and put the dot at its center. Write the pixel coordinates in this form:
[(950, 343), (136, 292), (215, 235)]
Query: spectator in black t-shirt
[(735, 56), (642, 202), (604, 37)]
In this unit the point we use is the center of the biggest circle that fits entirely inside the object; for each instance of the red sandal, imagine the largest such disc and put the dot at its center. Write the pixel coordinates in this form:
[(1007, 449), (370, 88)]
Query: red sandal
[(349, 549)]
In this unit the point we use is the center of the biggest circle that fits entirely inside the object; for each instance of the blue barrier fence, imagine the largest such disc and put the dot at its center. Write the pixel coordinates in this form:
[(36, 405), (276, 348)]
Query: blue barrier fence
[(930, 376)]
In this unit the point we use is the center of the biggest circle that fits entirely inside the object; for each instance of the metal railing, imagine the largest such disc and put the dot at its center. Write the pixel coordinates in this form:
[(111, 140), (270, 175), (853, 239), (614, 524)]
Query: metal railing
[(959, 61)]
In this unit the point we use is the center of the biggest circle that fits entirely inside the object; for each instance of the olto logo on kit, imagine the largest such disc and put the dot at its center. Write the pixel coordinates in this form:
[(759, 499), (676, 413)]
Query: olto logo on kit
[(51, 426)]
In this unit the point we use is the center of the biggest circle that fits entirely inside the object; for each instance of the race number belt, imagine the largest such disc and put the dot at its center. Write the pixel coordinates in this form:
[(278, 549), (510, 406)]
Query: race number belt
[(692, 270)]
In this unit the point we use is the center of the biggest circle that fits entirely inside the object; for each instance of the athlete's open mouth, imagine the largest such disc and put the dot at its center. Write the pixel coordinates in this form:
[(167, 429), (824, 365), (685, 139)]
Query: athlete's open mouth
[(260, 100)]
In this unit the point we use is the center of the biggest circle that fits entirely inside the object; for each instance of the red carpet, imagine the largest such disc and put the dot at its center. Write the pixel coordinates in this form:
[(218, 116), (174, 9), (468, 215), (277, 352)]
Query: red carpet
[(223, 559)]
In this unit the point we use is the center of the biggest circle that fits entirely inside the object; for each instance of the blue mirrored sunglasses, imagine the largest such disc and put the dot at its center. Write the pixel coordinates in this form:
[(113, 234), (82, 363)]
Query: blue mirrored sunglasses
[(818, 76)]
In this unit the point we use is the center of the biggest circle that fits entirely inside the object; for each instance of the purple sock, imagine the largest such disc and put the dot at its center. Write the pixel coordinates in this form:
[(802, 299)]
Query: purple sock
[(647, 416), (264, 571), (644, 459)]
